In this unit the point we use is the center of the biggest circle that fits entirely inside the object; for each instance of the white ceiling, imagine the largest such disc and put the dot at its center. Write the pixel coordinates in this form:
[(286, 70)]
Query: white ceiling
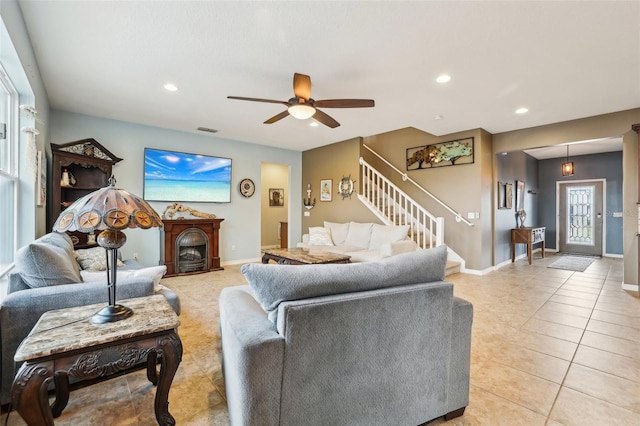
[(562, 60), (592, 146)]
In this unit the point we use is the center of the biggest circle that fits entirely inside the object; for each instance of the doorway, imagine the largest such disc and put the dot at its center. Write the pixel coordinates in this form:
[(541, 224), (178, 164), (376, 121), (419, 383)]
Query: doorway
[(274, 179), (580, 218)]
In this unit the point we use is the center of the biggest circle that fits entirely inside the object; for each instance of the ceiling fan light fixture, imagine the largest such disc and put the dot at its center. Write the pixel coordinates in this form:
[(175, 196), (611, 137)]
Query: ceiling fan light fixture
[(301, 111)]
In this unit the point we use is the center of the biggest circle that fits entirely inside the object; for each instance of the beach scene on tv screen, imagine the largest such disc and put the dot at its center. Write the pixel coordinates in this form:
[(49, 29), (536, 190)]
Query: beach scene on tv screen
[(177, 176)]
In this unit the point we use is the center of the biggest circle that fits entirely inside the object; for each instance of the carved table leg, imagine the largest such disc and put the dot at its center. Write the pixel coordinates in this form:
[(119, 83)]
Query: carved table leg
[(29, 393), (61, 381), (170, 350), (152, 372)]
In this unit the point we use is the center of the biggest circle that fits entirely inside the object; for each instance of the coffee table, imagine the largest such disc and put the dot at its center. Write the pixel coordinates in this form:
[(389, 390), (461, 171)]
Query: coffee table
[(65, 344), (300, 256)]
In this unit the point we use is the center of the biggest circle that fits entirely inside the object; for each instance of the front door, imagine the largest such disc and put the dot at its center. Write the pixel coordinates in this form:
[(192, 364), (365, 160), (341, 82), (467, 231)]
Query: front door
[(580, 217)]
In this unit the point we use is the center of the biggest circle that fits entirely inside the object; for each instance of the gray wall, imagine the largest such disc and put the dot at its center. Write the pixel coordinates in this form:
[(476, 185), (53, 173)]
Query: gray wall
[(241, 226), (601, 126), (598, 166), (541, 177), (512, 167)]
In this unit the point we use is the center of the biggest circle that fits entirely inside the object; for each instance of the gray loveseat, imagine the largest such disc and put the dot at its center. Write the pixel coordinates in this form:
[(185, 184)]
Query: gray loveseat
[(382, 343), (47, 277)]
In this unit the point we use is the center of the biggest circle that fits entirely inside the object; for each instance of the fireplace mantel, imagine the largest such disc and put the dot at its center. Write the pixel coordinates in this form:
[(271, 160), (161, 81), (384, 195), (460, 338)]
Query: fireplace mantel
[(171, 232)]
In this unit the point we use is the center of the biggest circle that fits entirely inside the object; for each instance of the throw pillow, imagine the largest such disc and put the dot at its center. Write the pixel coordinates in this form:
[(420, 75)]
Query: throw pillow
[(58, 239), (41, 265), (359, 235), (339, 231), (93, 259), (154, 272), (382, 234), (274, 284), (319, 236)]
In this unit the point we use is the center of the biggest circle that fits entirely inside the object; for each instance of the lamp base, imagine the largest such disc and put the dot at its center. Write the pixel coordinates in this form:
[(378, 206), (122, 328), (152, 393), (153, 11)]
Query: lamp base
[(111, 313)]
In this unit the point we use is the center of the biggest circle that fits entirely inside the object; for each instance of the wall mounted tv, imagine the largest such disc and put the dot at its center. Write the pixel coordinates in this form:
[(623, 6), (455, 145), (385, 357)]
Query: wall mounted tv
[(179, 176)]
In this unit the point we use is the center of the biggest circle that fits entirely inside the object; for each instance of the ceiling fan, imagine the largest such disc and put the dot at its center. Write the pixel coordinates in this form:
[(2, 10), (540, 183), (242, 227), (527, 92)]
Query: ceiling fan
[(302, 106)]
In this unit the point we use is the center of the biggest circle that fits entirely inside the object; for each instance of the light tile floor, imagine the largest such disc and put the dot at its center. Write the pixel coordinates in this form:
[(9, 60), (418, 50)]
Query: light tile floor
[(550, 347)]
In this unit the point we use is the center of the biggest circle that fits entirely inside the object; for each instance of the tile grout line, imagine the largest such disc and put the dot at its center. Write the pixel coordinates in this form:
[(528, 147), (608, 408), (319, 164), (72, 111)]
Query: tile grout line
[(571, 362)]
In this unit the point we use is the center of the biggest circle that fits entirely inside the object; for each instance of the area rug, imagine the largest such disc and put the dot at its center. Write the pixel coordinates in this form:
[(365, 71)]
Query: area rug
[(573, 263)]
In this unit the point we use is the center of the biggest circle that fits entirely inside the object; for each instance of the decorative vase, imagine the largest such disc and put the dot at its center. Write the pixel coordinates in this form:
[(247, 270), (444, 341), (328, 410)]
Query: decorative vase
[(522, 215)]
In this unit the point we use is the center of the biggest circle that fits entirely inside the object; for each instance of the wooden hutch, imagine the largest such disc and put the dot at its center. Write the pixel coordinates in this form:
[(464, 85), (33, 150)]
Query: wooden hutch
[(88, 166)]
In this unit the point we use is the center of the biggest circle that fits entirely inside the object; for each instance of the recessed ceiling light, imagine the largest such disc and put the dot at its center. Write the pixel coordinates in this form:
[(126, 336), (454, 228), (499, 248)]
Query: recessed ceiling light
[(313, 124), (522, 110), (438, 117), (171, 87), (443, 78)]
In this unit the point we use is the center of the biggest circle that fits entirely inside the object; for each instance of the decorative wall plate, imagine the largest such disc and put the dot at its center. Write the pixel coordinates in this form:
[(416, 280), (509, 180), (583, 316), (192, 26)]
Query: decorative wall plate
[(247, 187)]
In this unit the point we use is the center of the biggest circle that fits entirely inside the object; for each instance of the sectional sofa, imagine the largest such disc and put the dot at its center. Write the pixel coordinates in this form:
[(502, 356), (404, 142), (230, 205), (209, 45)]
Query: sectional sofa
[(372, 343), (47, 276), (364, 242)]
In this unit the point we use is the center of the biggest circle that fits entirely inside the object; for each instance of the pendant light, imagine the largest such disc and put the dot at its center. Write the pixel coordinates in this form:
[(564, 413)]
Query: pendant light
[(567, 166)]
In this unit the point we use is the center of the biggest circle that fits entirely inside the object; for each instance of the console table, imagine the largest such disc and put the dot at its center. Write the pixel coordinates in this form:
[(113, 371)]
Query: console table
[(64, 345), (528, 236)]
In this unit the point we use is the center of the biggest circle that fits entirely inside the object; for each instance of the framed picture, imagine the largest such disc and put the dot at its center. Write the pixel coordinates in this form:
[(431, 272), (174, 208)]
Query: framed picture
[(451, 153), (326, 188), (276, 197), (41, 180)]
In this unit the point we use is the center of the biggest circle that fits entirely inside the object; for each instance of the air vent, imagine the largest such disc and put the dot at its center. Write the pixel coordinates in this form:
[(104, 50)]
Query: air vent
[(206, 129)]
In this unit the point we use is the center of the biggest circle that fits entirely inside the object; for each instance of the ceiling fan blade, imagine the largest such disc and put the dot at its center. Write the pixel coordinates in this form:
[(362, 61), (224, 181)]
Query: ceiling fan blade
[(325, 119), (345, 103), (277, 117), (302, 86), (271, 101)]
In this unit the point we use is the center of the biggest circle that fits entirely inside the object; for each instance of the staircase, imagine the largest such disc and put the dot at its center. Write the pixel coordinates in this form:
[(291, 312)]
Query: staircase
[(394, 207)]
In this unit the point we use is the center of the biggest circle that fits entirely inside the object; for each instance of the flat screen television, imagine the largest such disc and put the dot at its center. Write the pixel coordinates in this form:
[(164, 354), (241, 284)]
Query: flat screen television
[(180, 176)]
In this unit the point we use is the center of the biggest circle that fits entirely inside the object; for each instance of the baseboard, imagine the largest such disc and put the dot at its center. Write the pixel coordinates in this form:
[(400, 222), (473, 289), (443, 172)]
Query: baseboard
[(476, 271), (241, 261), (631, 287), (615, 256)]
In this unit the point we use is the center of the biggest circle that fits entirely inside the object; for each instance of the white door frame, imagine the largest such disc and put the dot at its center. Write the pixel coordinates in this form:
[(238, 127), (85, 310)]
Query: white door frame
[(604, 210)]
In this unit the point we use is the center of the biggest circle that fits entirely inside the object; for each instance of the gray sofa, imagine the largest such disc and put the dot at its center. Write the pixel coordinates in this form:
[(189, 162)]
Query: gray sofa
[(382, 343), (47, 277)]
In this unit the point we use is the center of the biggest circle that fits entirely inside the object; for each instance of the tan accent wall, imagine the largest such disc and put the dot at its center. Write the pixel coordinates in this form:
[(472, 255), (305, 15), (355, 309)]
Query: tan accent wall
[(273, 176), (465, 188), (468, 188), (333, 162)]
